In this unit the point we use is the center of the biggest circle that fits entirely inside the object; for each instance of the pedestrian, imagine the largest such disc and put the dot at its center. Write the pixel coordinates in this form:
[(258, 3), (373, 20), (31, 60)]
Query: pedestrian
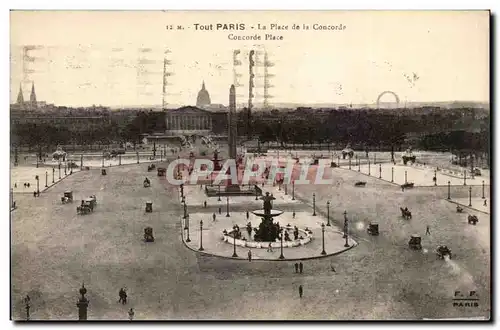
[(293, 215), (269, 248), (248, 215), (15, 185), (205, 204), (120, 295), (296, 267), (25, 185), (427, 230), (249, 255), (34, 193), (28, 184), (301, 291), (131, 314), (213, 216), (301, 267), (333, 268), (220, 210), (485, 203), (402, 188)]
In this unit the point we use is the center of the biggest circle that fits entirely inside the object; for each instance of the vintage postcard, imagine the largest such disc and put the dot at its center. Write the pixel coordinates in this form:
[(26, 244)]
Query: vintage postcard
[(250, 165)]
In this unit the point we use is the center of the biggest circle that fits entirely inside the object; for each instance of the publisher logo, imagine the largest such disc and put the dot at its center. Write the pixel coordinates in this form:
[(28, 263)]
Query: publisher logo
[(468, 299)]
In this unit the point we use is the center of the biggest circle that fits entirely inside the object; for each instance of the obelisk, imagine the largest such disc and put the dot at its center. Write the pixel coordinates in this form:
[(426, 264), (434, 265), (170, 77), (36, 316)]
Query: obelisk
[(232, 127)]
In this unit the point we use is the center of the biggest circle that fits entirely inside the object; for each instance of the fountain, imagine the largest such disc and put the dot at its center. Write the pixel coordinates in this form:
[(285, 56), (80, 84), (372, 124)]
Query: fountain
[(267, 231)]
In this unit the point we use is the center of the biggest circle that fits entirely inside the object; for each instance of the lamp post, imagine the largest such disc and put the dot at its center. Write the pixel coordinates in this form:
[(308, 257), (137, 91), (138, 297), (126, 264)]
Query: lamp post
[(47, 178), (392, 174), (349, 162), (281, 244), (201, 236), (323, 235), (27, 304), (181, 186), (465, 177), (345, 224), (328, 212), (406, 177), (470, 195), (256, 193), (234, 243), (37, 178), (59, 171), (338, 160), (314, 204), (293, 190), (346, 231), (81, 162), (359, 163), (187, 227), (119, 159), (449, 190), (279, 186), (219, 195), (53, 173), (102, 159), (137, 154), (65, 169), (286, 190), (82, 304), (374, 159), (380, 171), (435, 177), (483, 189), (227, 206), (369, 171)]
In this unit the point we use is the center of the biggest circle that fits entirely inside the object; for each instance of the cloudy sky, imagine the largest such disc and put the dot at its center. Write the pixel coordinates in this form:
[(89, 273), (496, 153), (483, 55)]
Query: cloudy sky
[(116, 58)]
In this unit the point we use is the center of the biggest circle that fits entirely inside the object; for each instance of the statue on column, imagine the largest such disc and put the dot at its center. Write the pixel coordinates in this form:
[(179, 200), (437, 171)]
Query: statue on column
[(268, 203)]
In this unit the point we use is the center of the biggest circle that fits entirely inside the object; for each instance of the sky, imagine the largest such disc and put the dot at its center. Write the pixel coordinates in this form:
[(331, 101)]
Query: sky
[(115, 58)]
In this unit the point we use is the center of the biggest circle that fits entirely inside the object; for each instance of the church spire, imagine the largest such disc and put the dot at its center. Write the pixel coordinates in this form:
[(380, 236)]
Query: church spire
[(33, 96), (20, 97)]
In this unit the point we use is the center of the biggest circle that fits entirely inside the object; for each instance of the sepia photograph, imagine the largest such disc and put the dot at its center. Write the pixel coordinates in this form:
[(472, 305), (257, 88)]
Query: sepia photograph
[(250, 165)]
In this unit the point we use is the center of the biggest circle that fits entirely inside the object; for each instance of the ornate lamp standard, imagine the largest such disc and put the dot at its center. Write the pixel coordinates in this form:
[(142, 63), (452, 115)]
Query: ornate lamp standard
[(346, 230), (65, 169), (483, 189), (59, 171), (359, 163), (256, 194), (82, 304), (328, 212), (449, 197), (470, 195), (406, 177), (201, 236), (314, 204), (181, 186), (323, 235), (227, 206), (392, 174), (286, 190), (465, 177), (281, 244), (53, 173), (293, 190), (435, 177), (37, 178), (369, 172), (103, 159), (187, 227), (349, 162), (219, 195), (234, 243), (46, 178), (380, 171)]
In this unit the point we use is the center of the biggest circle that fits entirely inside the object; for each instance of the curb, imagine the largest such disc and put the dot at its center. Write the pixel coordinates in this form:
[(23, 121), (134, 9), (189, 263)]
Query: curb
[(371, 176), (257, 260), (468, 207), (56, 182)]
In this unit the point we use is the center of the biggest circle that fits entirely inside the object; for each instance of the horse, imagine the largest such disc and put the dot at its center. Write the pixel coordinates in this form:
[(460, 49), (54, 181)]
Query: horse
[(405, 213), (459, 209)]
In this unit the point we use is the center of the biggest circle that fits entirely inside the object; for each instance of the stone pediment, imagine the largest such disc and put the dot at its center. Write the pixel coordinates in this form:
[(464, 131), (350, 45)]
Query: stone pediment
[(189, 110)]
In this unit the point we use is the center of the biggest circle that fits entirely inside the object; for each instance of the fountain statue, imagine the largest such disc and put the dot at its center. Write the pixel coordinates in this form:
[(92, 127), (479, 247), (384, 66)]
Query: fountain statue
[(267, 231)]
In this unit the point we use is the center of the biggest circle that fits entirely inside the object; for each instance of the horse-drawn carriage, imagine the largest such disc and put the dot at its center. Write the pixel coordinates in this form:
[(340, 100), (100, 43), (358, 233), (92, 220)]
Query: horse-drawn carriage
[(151, 167), (360, 184), (407, 185), (149, 207), (146, 183), (87, 206), (103, 171), (472, 219), (415, 242), (442, 251), (67, 197), (459, 209), (162, 171), (405, 213), (148, 234), (373, 229)]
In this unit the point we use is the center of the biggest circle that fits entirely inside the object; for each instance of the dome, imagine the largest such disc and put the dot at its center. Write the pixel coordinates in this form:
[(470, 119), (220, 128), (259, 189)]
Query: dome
[(203, 97)]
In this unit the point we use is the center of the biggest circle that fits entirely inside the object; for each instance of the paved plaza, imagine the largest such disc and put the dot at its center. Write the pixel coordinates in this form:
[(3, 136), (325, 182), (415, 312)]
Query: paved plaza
[(54, 250)]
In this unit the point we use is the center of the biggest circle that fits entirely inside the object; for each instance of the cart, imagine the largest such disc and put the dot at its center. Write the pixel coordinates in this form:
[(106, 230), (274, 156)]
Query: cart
[(149, 207), (373, 229), (415, 242)]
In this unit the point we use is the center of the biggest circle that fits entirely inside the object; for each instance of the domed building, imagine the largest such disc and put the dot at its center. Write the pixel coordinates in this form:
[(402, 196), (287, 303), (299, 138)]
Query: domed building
[(203, 98)]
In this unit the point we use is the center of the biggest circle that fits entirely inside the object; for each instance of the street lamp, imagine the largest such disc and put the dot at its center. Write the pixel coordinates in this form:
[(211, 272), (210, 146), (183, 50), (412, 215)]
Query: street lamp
[(227, 207), (59, 171), (345, 224), (359, 163), (82, 304), (201, 236), (219, 195), (470, 195), (27, 303), (380, 171), (323, 235), (256, 193), (435, 177), (187, 227), (483, 189), (314, 204), (37, 184), (234, 243), (465, 177), (392, 174), (47, 176), (448, 189), (65, 169), (103, 159), (374, 159), (406, 177), (328, 212), (293, 190), (281, 244), (349, 162), (53, 173), (369, 172), (286, 190)]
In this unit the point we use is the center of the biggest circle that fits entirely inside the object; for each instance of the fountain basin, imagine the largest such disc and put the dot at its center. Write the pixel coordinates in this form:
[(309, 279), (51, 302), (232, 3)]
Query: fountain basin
[(274, 213), (307, 237)]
